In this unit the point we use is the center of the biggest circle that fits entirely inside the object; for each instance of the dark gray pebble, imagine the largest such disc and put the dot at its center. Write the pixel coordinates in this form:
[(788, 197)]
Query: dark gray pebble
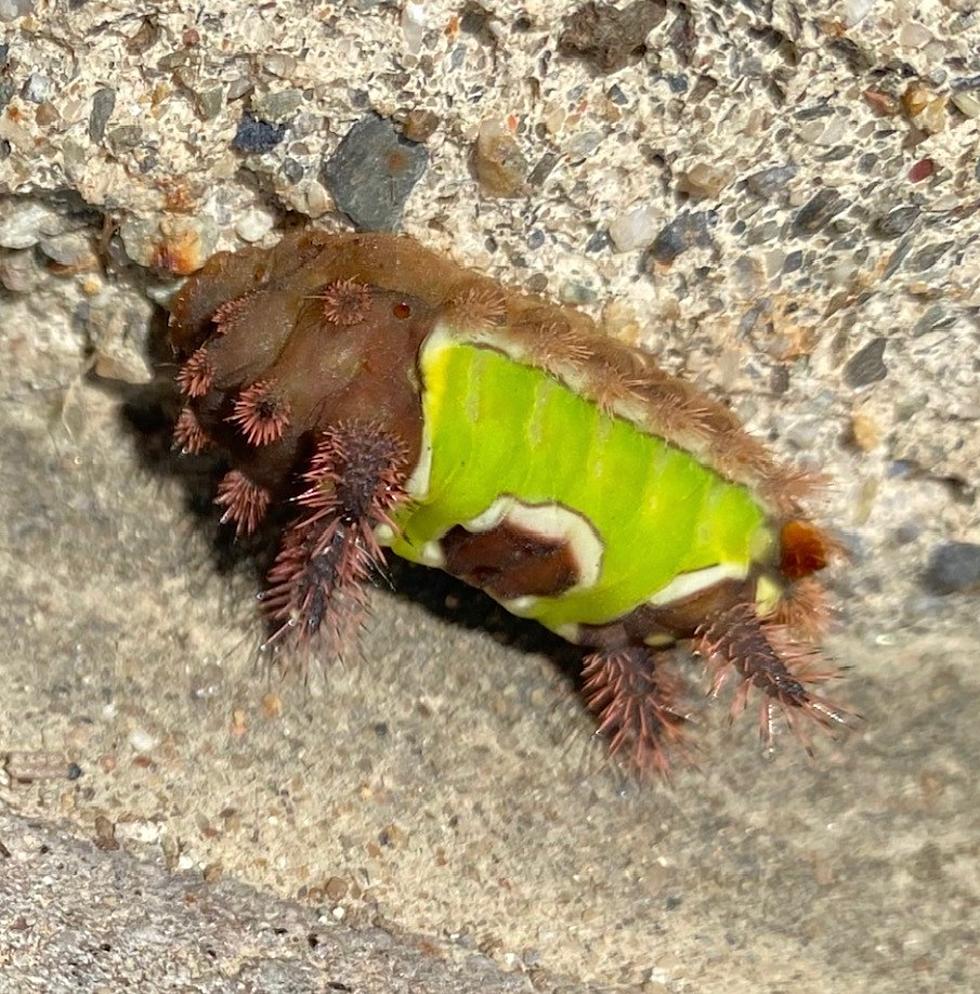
[(897, 257), (103, 104), (543, 169), (926, 258), (896, 222), (686, 231), (793, 262), (292, 170), (820, 209), (373, 172), (934, 319), (768, 182), (763, 233), (954, 567), (867, 365), (255, 135), (598, 241)]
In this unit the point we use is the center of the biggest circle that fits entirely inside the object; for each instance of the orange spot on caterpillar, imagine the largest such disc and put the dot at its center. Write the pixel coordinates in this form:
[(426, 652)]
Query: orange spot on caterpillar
[(261, 413), (803, 549)]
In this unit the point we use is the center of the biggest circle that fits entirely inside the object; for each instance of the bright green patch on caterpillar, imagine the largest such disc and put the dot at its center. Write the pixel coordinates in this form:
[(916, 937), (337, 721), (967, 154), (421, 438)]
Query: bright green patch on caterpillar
[(495, 426)]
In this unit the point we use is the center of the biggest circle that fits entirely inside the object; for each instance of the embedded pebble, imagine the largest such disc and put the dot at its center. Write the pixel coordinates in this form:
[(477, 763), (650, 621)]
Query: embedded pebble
[(607, 37), (420, 125), (926, 258), (703, 180), (954, 567), (142, 741), (768, 182), (896, 222), (818, 211), (24, 222), (966, 103), (253, 225), (209, 102), (914, 35), (922, 169), (72, 249), (498, 162), (413, 23), (373, 172), (11, 9), (867, 365), (37, 88), (686, 231), (583, 145), (20, 271), (856, 11), (256, 135), (103, 104), (276, 108), (177, 244), (118, 329), (635, 229)]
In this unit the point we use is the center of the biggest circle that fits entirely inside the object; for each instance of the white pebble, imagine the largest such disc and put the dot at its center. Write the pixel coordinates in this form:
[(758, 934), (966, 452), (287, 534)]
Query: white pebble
[(856, 11), (23, 223), (413, 25), (253, 225), (634, 230), (141, 740)]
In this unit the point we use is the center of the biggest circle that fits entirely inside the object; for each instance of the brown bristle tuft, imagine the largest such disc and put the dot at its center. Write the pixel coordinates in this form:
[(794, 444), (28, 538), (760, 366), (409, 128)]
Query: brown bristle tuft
[(678, 417), (803, 610), (344, 302), (356, 476), (789, 487), (196, 376), (766, 656), (316, 584), (189, 437), (230, 311), (261, 413), (357, 471), (478, 307), (245, 502), (610, 389), (557, 344), (634, 702)]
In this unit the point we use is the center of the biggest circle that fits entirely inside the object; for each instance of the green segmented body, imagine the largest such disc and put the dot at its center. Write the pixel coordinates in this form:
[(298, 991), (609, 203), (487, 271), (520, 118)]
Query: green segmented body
[(498, 427)]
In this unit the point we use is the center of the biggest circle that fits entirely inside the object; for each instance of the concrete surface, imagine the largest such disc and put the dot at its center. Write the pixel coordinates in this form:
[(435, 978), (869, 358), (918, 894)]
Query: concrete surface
[(82, 919), (815, 164), (445, 782)]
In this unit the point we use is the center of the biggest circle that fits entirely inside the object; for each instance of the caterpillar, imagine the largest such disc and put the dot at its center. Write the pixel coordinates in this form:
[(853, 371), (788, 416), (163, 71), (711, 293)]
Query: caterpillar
[(393, 400)]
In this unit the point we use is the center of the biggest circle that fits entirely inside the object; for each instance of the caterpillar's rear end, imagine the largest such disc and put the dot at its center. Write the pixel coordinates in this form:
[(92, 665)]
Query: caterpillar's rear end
[(398, 400)]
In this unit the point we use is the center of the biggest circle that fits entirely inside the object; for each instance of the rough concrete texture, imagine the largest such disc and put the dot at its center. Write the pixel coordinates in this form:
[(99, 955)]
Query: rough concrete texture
[(85, 919), (779, 198)]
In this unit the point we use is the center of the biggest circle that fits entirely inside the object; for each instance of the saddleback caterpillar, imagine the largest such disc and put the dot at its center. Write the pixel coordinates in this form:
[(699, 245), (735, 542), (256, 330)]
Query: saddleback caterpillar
[(395, 400)]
